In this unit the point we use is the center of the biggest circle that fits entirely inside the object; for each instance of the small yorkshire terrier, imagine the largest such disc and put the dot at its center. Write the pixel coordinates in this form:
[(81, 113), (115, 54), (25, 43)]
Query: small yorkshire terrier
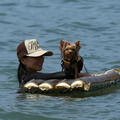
[(70, 56)]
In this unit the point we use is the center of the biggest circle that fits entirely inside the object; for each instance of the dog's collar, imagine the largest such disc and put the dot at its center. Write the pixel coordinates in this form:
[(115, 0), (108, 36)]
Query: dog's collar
[(66, 61), (71, 61)]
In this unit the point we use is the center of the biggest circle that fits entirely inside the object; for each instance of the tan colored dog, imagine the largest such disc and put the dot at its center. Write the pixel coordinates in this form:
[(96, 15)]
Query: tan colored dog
[(70, 57)]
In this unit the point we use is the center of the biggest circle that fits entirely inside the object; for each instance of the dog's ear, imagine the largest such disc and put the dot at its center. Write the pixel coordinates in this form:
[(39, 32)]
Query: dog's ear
[(61, 44), (78, 45), (65, 43)]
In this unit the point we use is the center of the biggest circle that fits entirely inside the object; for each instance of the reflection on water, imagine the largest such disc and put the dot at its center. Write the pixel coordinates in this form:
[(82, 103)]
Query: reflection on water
[(73, 96), (31, 97)]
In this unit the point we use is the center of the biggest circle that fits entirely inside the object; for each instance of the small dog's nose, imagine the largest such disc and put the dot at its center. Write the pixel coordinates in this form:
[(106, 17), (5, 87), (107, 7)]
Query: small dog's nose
[(70, 52)]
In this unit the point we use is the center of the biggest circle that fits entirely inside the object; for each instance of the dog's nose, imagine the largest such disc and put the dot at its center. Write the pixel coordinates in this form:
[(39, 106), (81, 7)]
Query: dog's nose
[(70, 52)]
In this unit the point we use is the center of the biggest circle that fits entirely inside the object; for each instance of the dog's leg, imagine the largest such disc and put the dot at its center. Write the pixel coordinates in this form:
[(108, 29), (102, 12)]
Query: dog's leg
[(76, 71)]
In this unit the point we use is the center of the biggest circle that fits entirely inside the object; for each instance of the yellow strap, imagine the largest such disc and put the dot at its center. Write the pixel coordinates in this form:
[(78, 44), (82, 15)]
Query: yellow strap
[(66, 61), (69, 62)]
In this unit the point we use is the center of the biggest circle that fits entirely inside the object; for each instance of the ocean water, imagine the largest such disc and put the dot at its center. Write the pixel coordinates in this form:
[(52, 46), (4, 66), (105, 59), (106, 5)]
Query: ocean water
[(95, 23)]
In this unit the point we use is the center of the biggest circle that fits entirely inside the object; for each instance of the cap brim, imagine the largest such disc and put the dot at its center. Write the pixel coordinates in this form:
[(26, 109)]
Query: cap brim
[(40, 53)]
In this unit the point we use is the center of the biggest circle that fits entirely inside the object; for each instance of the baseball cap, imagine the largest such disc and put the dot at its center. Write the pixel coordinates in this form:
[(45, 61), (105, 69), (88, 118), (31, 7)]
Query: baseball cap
[(31, 48)]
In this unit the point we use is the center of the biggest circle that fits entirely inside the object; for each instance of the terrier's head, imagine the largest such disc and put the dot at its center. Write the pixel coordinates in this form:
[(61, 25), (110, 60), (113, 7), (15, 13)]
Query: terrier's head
[(69, 51)]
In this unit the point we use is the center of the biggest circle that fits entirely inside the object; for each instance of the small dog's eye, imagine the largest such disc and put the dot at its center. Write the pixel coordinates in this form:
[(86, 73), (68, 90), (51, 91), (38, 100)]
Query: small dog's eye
[(66, 49), (73, 49)]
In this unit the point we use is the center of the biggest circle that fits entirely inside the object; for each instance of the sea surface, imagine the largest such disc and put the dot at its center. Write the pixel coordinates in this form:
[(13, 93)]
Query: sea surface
[(96, 23)]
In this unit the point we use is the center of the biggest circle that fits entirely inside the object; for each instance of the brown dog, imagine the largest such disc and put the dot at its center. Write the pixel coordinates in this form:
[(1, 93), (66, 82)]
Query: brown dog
[(70, 57)]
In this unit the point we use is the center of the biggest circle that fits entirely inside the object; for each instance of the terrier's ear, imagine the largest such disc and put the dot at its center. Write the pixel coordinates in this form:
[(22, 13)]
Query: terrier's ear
[(78, 45), (61, 44), (65, 43)]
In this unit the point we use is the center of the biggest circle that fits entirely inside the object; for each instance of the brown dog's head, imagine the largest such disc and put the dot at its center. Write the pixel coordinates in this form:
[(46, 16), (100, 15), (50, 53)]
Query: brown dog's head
[(69, 51)]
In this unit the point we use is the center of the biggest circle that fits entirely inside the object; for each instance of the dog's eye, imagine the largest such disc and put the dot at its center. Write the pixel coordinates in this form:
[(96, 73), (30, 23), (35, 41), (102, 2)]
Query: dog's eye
[(73, 49), (66, 49)]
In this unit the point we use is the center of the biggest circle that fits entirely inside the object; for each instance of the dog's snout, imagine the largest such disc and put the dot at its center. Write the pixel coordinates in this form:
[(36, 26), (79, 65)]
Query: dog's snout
[(70, 52)]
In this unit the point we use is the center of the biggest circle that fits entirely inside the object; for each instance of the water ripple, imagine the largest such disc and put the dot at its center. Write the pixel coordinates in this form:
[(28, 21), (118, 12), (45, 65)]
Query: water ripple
[(8, 4)]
